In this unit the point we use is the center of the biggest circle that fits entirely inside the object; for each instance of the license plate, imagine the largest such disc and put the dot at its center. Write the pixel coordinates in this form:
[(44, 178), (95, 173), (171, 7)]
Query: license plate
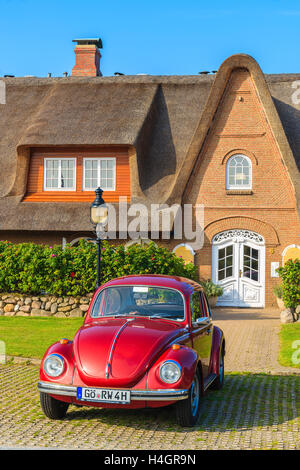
[(103, 395)]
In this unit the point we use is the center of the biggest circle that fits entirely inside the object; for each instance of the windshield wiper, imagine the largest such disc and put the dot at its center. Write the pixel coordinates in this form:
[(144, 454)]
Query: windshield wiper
[(114, 316), (165, 318), (157, 316), (127, 315)]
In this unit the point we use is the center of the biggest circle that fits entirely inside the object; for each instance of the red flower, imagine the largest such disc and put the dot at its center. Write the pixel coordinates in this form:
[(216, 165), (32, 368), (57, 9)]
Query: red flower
[(72, 274)]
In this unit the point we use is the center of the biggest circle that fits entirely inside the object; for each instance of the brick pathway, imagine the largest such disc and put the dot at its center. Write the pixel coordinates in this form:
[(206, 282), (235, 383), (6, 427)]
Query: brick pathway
[(251, 412), (252, 341)]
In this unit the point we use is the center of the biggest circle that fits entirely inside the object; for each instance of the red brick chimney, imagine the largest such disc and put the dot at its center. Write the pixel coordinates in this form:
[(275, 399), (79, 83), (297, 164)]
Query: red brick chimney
[(87, 58)]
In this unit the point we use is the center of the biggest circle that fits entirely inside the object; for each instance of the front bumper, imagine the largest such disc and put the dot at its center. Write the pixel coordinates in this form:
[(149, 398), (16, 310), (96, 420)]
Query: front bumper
[(135, 395)]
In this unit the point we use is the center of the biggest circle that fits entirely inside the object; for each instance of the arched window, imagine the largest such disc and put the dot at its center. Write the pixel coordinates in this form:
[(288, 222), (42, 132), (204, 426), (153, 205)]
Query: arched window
[(185, 252), (238, 172), (290, 252)]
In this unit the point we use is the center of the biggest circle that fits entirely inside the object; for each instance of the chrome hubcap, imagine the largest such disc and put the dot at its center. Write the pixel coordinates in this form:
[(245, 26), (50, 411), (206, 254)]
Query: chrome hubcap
[(195, 396)]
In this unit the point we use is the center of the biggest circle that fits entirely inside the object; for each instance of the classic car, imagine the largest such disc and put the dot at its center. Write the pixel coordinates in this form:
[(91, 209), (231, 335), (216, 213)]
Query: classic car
[(146, 341)]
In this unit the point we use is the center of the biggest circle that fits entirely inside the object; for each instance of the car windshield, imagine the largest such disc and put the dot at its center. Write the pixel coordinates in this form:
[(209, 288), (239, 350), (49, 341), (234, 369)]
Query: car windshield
[(146, 301)]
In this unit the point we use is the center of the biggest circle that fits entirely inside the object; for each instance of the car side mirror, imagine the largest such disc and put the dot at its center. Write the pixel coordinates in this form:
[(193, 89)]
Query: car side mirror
[(202, 320)]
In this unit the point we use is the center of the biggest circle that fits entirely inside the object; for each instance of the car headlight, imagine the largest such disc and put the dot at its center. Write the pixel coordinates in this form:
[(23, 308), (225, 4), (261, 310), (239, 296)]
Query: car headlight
[(170, 372), (54, 365)]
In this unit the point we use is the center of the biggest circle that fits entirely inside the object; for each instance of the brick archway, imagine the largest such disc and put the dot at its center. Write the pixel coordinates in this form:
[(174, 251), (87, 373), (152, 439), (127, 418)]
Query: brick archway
[(240, 222)]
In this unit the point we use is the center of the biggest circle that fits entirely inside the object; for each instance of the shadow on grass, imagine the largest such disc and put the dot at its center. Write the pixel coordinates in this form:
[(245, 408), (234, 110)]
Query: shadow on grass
[(246, 401)]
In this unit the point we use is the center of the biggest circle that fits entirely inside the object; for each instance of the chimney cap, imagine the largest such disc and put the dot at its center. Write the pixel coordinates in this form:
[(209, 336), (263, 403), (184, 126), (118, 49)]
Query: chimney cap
[(89, 41)]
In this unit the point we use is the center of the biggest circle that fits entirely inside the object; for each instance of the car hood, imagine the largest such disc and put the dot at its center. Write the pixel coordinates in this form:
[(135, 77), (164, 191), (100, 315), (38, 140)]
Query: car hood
[(123, 347)]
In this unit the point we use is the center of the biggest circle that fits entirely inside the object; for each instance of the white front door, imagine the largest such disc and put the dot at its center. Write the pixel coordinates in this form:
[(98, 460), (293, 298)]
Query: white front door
[(238, 265)]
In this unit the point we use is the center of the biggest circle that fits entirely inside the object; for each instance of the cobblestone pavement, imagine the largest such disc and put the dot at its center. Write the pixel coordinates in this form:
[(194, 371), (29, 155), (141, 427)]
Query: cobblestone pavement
[(258, 408), (253, 411), (252, 341)]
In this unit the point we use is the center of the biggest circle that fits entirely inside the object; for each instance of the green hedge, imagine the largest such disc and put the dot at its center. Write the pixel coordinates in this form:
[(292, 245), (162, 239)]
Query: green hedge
[(290, 275), (28, 268)]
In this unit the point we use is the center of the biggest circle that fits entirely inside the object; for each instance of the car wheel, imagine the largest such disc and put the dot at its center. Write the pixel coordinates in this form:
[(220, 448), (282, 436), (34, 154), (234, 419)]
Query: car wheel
[(53, 409), (188, 410), (219, 381)]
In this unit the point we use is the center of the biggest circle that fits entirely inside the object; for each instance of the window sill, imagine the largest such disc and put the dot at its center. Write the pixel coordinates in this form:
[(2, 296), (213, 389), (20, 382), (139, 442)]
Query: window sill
[(239, 192)]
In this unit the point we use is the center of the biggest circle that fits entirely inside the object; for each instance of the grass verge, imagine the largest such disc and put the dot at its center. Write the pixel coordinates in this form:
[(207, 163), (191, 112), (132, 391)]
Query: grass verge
[(289, 354), (30, 337)]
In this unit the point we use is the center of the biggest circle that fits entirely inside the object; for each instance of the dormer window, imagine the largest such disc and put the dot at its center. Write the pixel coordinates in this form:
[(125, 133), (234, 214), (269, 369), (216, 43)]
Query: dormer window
[(99, 172), (72, 174), (238, 172), (60, 174)]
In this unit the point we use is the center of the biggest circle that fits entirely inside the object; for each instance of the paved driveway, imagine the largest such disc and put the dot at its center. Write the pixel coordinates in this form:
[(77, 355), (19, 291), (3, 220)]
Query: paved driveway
[(252, 341), (251, 412), (256, 411)]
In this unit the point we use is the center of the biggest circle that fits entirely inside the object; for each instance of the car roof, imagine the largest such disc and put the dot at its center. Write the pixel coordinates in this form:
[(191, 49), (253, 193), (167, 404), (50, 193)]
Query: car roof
[(183, 284)]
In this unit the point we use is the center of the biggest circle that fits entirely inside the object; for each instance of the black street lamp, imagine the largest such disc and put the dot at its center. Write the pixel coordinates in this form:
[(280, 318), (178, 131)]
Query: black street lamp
[(99, 217)]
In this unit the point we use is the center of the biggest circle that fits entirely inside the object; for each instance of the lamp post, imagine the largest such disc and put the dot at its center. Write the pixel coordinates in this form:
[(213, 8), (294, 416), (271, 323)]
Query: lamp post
[(99, 217)]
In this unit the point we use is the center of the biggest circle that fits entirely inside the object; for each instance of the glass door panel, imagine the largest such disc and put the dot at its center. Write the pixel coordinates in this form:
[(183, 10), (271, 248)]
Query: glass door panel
[(225, 262), (250, 268)]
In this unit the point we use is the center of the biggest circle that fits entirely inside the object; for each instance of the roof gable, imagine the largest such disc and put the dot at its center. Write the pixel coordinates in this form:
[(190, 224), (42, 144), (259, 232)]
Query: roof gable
[(240, 127), (205, 121)]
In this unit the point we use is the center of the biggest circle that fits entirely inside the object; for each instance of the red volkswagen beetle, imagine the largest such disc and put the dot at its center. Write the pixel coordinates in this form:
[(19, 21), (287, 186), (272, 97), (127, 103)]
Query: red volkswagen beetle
[(146, 341)]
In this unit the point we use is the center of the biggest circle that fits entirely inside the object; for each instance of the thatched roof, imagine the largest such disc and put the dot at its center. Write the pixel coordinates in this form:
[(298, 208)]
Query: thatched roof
[(165, 118)]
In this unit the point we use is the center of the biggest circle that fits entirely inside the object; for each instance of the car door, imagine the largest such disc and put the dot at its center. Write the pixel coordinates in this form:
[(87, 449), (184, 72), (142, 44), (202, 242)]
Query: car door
[(201, 329)]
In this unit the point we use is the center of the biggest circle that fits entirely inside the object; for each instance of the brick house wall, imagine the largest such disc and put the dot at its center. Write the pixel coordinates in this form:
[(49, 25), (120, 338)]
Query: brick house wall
[(241, 126)]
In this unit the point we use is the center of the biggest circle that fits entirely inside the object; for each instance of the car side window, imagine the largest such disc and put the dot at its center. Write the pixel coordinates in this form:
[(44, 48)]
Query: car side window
[(206, 307), (196, 306), (95, 312)]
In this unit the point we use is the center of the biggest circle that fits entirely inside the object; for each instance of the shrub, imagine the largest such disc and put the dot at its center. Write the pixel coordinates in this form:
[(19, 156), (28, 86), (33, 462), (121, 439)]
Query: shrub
[(278, 291), (33, 269), (290, 275), (211, 289)]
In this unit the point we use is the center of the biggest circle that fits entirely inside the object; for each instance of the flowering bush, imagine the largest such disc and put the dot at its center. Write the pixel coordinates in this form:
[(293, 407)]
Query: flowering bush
[(33, 269), (290, 275)]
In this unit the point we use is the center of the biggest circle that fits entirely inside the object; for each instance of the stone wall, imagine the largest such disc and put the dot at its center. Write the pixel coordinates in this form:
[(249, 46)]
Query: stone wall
[(43, 305)]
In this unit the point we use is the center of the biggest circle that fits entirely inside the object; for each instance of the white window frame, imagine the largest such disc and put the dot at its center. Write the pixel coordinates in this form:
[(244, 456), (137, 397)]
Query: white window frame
[(238, 186), (73, 188), (113, 159)]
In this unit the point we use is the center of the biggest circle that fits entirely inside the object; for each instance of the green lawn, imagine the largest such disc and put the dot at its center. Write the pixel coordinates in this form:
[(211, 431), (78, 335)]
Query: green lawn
[(290, 345), (30, 337)]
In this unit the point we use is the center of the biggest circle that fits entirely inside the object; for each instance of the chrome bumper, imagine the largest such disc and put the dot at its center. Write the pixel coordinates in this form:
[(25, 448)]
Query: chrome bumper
[(135, 395)]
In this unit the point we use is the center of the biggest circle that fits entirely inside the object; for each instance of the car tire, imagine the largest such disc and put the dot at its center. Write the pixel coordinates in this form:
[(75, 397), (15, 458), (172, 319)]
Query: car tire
[(53, 409), (188, 411), (219, 381)]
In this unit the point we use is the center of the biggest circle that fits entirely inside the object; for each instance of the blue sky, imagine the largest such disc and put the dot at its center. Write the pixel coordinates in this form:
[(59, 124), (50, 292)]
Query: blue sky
[(155, 37)]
